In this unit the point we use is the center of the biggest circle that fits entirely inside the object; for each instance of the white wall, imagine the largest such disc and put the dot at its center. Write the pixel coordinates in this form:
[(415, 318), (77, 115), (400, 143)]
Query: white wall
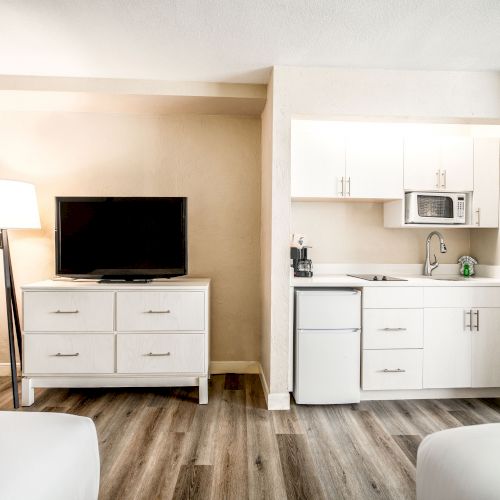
[(374, 94)]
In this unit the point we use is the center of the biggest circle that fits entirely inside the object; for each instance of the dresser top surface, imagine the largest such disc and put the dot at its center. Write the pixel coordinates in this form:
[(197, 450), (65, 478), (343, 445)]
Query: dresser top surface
[(165, 284)]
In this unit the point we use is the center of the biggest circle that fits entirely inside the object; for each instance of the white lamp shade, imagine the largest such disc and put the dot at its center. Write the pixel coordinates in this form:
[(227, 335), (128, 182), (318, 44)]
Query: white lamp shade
[(18, 206)]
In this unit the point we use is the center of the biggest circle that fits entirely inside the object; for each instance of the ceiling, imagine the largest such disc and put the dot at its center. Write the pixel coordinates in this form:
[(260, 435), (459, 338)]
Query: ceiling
[(239, 40)]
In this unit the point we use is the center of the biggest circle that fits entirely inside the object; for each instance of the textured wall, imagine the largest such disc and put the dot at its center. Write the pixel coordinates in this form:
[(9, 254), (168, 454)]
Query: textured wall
[(213, 160), (353, 232)]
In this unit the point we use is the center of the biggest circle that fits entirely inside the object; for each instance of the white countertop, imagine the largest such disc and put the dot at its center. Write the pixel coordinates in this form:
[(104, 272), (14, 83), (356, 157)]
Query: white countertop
[(342, 280)]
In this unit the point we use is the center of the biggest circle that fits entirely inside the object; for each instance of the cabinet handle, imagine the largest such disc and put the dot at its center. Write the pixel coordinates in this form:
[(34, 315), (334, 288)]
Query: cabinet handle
[(349, 184), (478, 212), (476, 313), (153, 354), (341, 192), (443, 175), (61, 355), (397, 370), (76, 311), (394, 329), (468, 313), (151, 311), (438, 173)]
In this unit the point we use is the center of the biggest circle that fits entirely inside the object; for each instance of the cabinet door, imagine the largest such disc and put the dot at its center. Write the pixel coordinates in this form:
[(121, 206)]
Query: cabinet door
[(421, 164), (374, 167), (457, 168), (317, 160), (486, 347), (486, 182), (447, 348)]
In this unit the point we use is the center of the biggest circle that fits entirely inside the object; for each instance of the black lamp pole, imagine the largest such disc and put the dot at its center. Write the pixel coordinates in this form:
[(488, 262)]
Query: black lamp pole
[(13, 323)]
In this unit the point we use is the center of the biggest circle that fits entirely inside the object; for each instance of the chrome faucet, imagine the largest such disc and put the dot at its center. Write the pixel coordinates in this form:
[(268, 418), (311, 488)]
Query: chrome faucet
[(430, 266)]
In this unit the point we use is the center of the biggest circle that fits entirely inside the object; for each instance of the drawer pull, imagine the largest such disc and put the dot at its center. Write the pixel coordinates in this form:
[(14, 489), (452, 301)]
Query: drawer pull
[(397, 370), (394, 329), (76, 311), (61, 355), (157, 354), (151, 311)]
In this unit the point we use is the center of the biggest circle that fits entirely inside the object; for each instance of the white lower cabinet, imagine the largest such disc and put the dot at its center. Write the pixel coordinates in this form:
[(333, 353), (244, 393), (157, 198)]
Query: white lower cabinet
[(447, 348), (69, 353), (485, 349), (86, 334), (461, 344), (393, 329), (389, 369), (160, 353), (392, 338)]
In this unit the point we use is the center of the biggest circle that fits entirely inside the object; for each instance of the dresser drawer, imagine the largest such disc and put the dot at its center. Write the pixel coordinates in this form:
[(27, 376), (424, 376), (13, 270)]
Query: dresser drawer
[(393, 297), (392, 369), (69, 353), (160, 311), (393, 328), (67, 311), (161, 353)]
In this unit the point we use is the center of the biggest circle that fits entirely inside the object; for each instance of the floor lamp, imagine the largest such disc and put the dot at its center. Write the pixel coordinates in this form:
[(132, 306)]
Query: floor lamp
[(18, 210)]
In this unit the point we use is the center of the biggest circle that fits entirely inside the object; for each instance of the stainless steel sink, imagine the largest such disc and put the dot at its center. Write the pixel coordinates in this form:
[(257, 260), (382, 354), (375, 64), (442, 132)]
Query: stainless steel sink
[(449, 278)]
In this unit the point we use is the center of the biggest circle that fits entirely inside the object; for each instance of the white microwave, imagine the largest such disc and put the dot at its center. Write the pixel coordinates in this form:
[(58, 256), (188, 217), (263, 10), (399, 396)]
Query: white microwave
[(435, 208)]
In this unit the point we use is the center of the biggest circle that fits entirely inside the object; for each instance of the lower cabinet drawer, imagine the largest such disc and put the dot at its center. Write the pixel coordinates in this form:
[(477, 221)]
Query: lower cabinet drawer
[(392, 369), (393, 329), (161, 353), (69, 353)]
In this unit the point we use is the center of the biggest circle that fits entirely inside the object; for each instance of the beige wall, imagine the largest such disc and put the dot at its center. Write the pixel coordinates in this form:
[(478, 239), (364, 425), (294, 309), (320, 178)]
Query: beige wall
[(353, 232), (213, 160)]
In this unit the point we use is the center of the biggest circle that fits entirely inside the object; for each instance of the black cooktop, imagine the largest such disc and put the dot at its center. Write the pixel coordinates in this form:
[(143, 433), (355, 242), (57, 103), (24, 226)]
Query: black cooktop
[(375, 277)]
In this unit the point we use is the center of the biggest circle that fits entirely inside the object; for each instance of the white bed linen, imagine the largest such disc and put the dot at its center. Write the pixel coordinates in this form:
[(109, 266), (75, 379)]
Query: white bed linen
[(48, 456), (460, 464)]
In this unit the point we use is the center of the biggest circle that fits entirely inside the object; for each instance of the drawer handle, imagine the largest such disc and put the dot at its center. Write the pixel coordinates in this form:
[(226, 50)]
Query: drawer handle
[(394, 329), (157, 354), (61, 355), (76, 311), (151, 311), (397, 370)]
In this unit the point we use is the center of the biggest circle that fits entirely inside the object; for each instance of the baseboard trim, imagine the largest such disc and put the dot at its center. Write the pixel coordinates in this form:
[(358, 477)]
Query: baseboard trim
[(276, 400), (242, 367), (5, 369), (484, 392)]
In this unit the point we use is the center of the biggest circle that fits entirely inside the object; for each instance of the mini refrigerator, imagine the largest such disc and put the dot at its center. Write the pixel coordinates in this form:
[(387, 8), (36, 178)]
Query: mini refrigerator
[(327, 346)]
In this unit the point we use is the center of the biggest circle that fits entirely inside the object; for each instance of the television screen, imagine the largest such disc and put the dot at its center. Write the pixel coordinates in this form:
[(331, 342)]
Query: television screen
[(121, 238)]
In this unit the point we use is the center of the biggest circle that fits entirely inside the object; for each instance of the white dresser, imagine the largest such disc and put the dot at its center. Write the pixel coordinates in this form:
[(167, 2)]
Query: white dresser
[(89, 334)]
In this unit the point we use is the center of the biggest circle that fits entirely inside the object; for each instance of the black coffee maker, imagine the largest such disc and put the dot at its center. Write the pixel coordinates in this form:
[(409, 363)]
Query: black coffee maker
[(302, 266)]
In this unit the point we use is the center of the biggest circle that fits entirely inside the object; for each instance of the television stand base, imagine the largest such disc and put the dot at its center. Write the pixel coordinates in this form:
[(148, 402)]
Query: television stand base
[(117, 281)]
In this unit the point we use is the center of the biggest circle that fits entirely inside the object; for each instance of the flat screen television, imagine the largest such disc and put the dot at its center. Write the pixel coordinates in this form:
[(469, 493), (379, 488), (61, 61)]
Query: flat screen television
[(121, 238)]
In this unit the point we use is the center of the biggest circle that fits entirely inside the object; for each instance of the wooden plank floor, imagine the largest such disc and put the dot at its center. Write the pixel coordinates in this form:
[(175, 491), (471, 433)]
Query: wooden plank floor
[(159, 443)]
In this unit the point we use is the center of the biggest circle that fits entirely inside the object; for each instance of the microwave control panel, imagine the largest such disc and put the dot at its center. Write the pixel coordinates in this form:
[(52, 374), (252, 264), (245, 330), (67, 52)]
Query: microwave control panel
[(460, 206)]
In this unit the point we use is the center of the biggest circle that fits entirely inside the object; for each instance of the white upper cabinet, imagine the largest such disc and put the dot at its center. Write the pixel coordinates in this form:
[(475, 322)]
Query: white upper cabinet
[(438, 163), (421, 164), (457, 163), (374, 167), (486, 182), (329, 160), (317, 160)]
